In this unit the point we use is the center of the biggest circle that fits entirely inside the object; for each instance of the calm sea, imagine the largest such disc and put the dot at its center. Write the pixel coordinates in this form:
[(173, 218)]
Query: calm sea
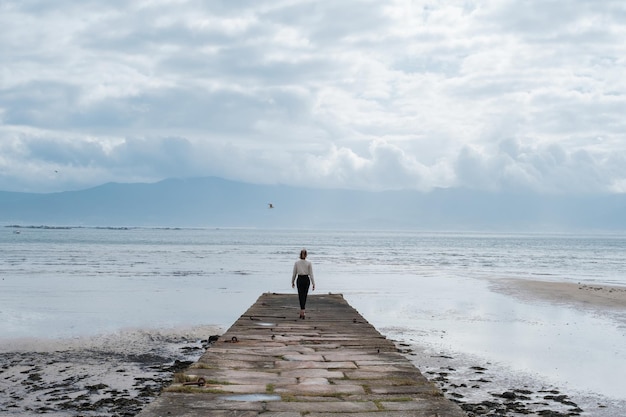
[(432, 288)]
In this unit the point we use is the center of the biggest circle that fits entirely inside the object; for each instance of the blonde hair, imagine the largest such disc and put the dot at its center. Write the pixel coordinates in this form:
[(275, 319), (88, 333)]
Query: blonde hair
[(303, 254)]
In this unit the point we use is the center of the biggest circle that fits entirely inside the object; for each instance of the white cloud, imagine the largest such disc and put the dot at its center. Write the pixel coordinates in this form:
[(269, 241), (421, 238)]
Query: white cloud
[(512, 165), (495, 94)]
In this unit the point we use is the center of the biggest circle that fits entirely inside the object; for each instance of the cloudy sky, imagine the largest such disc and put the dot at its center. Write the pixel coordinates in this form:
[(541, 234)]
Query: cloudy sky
[(485, 94)]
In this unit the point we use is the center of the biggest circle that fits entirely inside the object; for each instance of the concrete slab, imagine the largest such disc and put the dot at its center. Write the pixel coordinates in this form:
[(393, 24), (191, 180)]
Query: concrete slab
[(316, 389), (315, 365), (329, 407), (317, 381), (318, 358), (271, 364), (312, 373)]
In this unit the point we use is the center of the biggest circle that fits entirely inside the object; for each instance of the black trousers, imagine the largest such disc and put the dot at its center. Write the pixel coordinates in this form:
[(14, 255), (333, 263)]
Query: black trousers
[(303, 289)]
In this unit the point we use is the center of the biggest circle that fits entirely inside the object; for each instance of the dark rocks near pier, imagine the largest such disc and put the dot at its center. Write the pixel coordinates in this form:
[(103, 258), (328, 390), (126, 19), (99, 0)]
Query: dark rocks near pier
[(458, 386), (90, 382)]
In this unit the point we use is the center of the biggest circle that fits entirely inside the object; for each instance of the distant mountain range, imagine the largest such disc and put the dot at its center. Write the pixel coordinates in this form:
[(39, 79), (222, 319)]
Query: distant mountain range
[(216, 202)]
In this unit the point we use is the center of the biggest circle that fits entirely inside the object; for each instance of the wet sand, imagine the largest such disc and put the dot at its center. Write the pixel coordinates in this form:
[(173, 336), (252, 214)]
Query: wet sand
[(483, 387), (108, 375), (119, 374), (578, 294)]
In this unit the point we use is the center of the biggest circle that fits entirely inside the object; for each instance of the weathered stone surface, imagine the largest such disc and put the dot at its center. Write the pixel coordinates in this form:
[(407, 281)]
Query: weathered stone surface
[(315, 365), (316, 389), (348, 355), (411, 413), (271, 364), (241, 377), (312, 373), (329, 407), (236, 388), (301, 357)]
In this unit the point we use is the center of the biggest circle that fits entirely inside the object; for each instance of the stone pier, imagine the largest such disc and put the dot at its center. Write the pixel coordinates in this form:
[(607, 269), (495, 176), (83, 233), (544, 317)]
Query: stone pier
[(271, 363)]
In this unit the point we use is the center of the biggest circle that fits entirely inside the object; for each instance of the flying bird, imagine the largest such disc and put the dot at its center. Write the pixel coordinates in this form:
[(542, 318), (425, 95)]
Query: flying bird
[(270, 205)]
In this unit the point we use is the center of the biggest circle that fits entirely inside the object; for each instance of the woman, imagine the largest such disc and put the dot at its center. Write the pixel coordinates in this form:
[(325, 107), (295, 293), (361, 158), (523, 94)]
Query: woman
[(304, 271)]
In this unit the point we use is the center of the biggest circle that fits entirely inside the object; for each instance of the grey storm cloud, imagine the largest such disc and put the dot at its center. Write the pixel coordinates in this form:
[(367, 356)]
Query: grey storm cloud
[(359, 94)]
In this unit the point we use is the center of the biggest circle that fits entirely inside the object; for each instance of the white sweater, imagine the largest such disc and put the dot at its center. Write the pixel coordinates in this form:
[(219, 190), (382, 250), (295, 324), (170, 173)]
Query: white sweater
[(302, 267)]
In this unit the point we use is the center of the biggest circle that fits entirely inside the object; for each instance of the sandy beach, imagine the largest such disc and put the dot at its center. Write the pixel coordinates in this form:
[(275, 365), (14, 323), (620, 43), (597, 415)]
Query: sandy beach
[(115, 375), (576, 294), (481, 387), (107, 375)]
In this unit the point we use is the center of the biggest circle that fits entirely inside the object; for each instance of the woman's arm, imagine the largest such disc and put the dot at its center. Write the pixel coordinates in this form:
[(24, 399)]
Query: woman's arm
[(311, 276)]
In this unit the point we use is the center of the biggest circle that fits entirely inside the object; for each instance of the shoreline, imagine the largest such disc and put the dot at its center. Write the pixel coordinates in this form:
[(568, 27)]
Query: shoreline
[(128, 371), (480, 385), (121, 373), (104, 375), (590, 295)]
